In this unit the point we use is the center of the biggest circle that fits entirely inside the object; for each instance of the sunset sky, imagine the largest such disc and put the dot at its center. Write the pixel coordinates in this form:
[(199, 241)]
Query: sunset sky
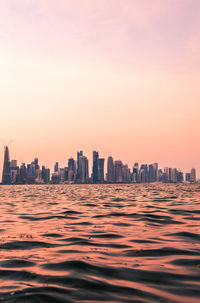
[(118, 76)]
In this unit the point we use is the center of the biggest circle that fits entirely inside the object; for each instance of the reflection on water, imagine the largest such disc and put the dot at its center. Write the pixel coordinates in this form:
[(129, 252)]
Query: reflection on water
[(93, 243)]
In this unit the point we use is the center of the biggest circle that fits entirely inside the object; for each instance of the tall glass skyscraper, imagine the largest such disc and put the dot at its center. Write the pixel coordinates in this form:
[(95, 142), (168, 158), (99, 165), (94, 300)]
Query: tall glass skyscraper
[(101, 170), (95, 167), (110, 170), (6, 176)]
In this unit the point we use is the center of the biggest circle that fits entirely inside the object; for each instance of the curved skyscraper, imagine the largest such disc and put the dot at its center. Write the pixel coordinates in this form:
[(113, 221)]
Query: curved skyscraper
[(6, 177)]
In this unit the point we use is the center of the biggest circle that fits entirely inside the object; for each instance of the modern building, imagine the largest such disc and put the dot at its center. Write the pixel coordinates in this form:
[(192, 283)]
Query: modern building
[(118, 171), (95, 167), (135, 175), (84, 169), (143, 173), (110, 170), (6, 176), (193, 175), (101, 170), (56, 167), (71, 170), (154, 172), (14, 171), (23, 176), (79, 154), (126, 174), (187, 177)]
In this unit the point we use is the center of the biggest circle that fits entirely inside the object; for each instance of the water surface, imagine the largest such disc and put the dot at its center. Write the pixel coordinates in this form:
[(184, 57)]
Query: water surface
[(94, 243)]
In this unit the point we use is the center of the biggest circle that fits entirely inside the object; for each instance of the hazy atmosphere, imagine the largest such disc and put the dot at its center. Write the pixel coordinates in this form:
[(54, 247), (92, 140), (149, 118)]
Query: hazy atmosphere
[(100, 106), (121, 77)]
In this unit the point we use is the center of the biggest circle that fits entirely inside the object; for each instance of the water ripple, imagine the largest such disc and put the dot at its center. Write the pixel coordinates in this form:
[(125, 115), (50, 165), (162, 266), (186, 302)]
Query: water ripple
[(94, 243)]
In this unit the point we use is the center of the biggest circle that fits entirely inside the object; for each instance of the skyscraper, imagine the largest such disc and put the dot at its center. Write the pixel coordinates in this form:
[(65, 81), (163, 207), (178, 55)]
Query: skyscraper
[(118, 171), (135, 176), (23, 177), (193, 175), (6, 176), (79, 154), (56, 167), (126, 174), (101, 170), (153, 172), (14, 171), (187, 177), (84, 169), (36, 163), (110, 170), (143, 173), (95, 167), (71, 169)]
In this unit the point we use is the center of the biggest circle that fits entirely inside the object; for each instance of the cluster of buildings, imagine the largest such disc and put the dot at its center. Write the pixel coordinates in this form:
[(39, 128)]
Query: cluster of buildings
[(77, 171)]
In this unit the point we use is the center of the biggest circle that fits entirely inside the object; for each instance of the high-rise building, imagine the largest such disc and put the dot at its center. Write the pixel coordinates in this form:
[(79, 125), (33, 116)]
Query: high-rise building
[(179, 176), (166, 175), (55, 178), (135, 175), (71, 164), (187, 177), (56, 168), (118, 171), (6, 176), (110, 170), (47, 175), (193, 175), (153, 172), (174, 175), (23, 177), (84, 169), (79, 154), (43, 173), (143, 173), (170, 174), (71, 169), (126, 174), (66, 171), (160, 175), (36, 163), (95, 167), (14, 170), (61, 174), (38, 178), (101, 170)]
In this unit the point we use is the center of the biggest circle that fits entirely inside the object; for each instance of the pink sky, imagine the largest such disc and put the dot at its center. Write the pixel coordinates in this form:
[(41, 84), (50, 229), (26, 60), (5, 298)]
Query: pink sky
[(119, 76)]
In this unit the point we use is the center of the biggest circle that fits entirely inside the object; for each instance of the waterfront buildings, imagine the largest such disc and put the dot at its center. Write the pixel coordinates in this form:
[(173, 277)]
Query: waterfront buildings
[(77, 171)]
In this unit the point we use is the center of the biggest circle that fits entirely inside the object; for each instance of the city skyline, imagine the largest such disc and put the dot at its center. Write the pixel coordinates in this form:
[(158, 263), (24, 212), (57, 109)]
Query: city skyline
[(76, 170), (63, 157)]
